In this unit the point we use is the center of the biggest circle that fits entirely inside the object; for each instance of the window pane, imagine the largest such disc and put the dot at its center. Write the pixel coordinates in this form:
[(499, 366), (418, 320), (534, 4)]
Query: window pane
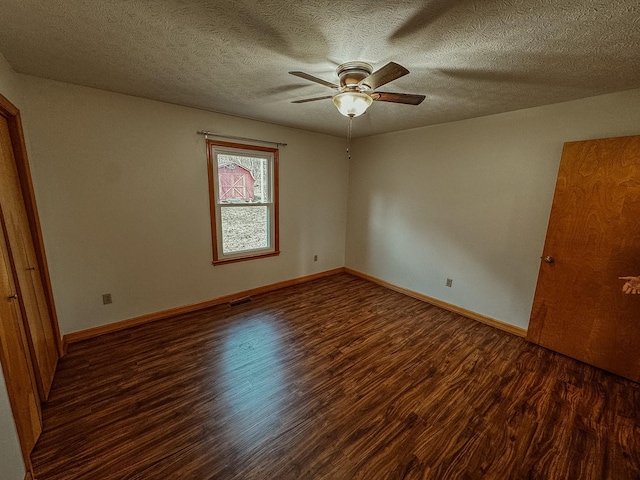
[(244, 228), (243, 179), (242, 195)]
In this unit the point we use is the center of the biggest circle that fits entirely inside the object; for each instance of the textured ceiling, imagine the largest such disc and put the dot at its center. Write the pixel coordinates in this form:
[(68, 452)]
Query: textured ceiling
[(469, 57)]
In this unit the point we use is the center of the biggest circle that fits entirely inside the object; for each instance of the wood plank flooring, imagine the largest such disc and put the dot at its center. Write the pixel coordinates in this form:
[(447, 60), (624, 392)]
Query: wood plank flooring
[(335, 379)]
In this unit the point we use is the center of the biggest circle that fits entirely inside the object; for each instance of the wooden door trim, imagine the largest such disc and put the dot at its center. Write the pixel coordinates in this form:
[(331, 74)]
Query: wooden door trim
[(9, 111)]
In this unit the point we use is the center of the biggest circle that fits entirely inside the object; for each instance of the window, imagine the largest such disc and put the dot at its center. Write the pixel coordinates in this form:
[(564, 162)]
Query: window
[(243, 196)]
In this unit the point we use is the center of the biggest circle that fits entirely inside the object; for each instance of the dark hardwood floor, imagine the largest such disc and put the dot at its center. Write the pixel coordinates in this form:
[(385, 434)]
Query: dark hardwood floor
[(334, 379)]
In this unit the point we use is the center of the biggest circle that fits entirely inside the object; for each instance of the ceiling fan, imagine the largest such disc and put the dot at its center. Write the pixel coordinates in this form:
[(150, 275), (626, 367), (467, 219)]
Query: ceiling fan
[(357, 85)]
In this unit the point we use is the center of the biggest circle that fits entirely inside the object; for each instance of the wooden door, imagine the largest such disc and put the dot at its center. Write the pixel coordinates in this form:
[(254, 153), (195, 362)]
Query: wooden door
[(38, 324), (593, 238), (14, 356)]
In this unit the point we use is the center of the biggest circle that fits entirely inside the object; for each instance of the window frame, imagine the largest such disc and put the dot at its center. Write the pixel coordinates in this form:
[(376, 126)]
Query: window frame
[(215, 147)]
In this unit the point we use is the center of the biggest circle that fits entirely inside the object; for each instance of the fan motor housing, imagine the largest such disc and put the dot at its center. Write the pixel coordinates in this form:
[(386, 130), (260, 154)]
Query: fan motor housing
[(352, 73)]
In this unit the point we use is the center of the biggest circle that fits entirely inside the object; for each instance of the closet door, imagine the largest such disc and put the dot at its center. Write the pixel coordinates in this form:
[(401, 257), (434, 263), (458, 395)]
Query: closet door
[(38, 326), (14, 356)]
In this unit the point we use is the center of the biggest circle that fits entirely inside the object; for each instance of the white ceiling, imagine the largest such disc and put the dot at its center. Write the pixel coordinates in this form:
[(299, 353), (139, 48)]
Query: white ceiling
[(469, 57)]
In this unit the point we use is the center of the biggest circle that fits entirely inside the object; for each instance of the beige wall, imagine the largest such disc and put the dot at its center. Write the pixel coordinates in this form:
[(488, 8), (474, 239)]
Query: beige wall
[(470, 201), (11, 464), (121, 186)]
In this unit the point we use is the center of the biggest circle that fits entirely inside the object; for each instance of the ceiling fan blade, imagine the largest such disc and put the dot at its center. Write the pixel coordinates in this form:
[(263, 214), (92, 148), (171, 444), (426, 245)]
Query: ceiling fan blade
[(312, 99), (384, 75), (306, 76), (406, 98)]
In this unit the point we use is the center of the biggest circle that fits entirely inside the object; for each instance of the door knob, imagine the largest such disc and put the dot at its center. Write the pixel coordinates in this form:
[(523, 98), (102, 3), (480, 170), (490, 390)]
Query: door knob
[(548, 259), (11, 297)]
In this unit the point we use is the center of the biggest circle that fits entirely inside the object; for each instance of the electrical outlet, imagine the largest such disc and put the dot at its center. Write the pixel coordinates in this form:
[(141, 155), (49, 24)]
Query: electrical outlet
[(449, 282), (106, 298), (315, 258)]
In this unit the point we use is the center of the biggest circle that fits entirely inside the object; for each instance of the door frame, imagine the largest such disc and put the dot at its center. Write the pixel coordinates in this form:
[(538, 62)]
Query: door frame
[(12, 114)]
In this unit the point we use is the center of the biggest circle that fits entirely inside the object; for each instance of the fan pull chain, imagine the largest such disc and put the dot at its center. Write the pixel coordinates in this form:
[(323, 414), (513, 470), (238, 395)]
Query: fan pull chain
[(349, 138)]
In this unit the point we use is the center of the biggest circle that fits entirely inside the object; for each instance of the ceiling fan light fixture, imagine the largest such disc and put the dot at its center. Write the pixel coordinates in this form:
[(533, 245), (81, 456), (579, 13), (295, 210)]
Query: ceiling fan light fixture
[(352, 104)]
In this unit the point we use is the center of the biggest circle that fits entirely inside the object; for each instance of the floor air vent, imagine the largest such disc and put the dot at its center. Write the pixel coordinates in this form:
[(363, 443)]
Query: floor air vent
[(239, 301)]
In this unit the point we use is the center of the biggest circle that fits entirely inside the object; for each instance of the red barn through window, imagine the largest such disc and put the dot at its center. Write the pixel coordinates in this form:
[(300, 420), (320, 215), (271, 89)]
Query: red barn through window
[(236, 183)]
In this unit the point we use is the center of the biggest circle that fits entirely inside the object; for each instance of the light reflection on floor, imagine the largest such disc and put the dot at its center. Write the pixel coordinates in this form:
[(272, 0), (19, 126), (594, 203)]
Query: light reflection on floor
[(252, 379)]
